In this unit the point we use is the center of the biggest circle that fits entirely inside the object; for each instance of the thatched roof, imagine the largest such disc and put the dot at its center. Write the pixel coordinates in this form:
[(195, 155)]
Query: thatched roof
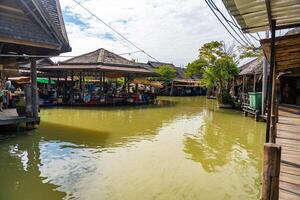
[(99, 56), (31, 23), (253, 67)]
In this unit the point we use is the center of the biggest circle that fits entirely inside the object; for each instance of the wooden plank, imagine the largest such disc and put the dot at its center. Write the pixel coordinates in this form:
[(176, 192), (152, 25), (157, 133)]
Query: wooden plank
[(293, 188), (288, 136)]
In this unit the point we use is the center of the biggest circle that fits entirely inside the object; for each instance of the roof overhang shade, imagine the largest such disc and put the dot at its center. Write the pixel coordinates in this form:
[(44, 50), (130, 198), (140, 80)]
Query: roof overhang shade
[(287, 55), (104, 68), (256, 15)]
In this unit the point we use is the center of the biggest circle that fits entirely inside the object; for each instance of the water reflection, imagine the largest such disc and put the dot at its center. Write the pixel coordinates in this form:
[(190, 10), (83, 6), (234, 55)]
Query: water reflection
[(176, 151)]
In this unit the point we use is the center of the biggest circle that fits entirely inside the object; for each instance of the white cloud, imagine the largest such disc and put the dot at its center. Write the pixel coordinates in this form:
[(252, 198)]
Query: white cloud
[(170, 30)]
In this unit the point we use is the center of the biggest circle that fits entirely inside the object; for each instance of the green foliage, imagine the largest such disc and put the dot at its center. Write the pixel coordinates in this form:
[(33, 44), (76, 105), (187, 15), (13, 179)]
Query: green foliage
[(217, 64), (212, 51), (166, 72), (225, 98), (196, 67), (247, 52), (221, 73)]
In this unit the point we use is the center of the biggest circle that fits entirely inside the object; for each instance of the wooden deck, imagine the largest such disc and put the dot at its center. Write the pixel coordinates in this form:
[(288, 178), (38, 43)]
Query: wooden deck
[(288, 136), (10, 117)]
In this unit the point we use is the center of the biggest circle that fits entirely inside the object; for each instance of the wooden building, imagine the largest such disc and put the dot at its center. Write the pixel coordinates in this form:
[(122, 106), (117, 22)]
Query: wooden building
[(181, 85), (29, 29), (250, 76), (281, 165), (96, 67)]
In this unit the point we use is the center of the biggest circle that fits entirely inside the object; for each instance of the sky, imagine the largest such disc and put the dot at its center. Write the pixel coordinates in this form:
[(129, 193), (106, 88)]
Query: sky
[(170, 30)]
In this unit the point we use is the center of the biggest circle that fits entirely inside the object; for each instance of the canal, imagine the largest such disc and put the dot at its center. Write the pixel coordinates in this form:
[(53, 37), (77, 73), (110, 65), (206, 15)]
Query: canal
[(183, 148)]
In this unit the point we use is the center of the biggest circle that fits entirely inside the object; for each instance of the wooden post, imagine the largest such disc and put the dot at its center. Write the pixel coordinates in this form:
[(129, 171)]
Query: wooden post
[(65, 87), (172, 88), (254, 83), (270, 89), (243, 84), (72, 88), (34, 92), (271, 171), (80, 81), (265, 81)]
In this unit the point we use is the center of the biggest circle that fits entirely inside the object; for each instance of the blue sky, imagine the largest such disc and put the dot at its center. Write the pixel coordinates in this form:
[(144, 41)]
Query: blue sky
[(170, 30)]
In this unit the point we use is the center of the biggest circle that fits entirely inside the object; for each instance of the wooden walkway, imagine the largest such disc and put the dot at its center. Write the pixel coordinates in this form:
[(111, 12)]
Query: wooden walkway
[(10, 117), (288, 136)]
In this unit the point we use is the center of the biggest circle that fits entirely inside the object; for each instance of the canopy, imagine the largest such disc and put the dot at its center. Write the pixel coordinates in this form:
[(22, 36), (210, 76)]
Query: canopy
[(255, 15), (45, 81)]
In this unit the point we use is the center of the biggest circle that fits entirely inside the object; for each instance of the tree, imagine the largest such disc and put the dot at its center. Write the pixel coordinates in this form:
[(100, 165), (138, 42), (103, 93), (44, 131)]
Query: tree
[(246, 52), (221, 73), (196, 68), (166, 71), (217, 62)]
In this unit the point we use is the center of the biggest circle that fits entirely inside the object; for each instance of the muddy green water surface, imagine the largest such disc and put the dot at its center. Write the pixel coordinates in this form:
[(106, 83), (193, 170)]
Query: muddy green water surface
[(184, 148)]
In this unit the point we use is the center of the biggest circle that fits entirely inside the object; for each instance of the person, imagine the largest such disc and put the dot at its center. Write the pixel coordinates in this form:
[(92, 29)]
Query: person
[(287, 94), (1, 97), (8, 84)]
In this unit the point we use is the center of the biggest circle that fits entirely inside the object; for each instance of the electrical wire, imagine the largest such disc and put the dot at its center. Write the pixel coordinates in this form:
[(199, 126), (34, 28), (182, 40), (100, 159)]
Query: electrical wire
[(230, 23), (212, 9), (129, 53), (114, 30), (233, 22)]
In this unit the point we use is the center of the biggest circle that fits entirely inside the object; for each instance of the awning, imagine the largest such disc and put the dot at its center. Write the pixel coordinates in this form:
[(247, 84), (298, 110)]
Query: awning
[(255, 15), (104, 68), (20, 79), (45, 81)]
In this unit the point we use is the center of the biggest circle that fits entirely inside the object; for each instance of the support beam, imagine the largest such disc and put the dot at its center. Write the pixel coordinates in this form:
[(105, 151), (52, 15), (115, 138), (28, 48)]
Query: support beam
[(265, 81), (34, 93), (270, 89)]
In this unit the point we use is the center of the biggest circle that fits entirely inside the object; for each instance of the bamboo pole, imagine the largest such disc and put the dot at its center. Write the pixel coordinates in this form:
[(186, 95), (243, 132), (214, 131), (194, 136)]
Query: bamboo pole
[(271, 171)]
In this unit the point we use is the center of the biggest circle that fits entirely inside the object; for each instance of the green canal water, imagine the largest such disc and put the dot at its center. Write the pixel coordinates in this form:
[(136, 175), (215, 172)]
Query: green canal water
[(183, 148)]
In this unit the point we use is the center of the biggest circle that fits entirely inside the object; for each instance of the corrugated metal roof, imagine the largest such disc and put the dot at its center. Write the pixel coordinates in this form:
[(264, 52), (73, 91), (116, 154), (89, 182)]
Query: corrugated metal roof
[(252, 15)]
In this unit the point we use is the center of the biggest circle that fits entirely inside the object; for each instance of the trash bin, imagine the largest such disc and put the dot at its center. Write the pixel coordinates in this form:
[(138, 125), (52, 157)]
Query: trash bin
[(255, 100)]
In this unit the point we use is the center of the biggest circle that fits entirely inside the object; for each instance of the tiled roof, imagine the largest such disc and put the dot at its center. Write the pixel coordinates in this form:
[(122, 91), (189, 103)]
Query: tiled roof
[(100, 56), (33, 23)]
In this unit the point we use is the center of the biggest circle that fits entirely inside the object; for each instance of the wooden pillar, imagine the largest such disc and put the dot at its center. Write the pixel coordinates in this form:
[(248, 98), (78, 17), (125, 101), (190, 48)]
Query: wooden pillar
[(103, 81), (65, 86), (271, 171), (265, 81), (254, 83), (80, 81), (243, 84), (270, 89), (172, 88), (72, 88), (34, 89), (127, 84)]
